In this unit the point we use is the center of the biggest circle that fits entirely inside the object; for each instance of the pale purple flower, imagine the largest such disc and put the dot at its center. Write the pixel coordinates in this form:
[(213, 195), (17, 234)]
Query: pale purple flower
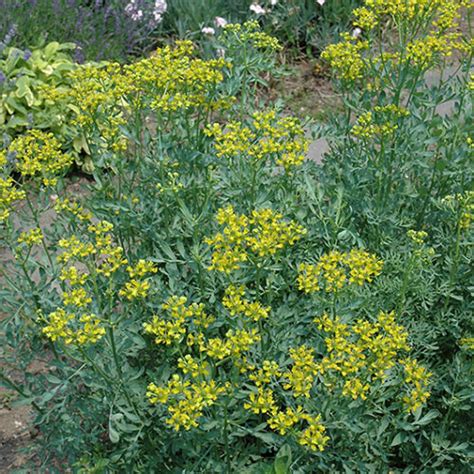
[(257, 9), (208, 30), (133, 11), (220, 22), (356, 33)]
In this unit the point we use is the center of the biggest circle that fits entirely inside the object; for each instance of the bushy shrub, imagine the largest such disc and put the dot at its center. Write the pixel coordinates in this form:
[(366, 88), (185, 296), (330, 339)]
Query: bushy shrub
[(217, 303)]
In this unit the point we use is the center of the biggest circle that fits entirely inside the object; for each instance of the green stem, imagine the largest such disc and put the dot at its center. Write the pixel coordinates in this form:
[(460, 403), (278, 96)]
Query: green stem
[(226, 440), (15, 387)]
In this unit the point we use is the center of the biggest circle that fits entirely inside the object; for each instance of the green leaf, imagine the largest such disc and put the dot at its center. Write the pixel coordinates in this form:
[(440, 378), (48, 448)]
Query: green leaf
[(398, 439), (428, 418)]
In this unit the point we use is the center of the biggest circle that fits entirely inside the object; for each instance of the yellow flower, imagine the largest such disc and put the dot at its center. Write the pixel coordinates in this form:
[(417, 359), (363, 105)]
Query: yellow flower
[(60, 326), (249, 32), (142, 268), (57, 327), (300, 378), (77, 297), (355, 388), (345, 58), (266, 137), (170, 331), (336, 269), (39, 153), (417, 378), (234, 302), (31, 237), (73, 207), (364, 18), (190, 366), (418, 237), (264, 375), (261, 402), (91, 330), (74, 248), (313, 437), (263, 233), (113, 260), (185, 401), (283, 421), (73, 275), (135, 289), (8, 195)]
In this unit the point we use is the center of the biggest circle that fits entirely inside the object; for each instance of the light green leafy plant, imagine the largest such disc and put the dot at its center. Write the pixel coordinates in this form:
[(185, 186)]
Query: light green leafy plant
[(23, 104)]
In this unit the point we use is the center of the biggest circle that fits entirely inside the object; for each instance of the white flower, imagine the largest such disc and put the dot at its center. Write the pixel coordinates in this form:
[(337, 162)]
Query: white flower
[(321, 2), (257, 9), (208, 30), (137, 15), (220, 22), (273, 2), (160, 8), (356, 33), (133, 12)]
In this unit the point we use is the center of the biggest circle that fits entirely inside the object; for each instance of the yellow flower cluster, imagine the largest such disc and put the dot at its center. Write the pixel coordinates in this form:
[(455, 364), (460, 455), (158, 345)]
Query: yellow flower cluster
[(381, 123), (300, 378), (233, 300), (190, 365), (364, 18), (73, 207), (80, 331), (417, 378), (401, 9), (235, 343), (172, 184), (73, 276), (421, 250), (314, 436), (417, 236), (108, 256), (265, 374), (136, 287), (345, 58), (173, 328), (39, 153), (249, 33), (360, 353), (8, 195), (185, 401), (264, 138), (464, 205), (71, 325), (263, 402), (31, 237), (337, 269), (169, 80), (264, 233), (74, 249), (424, 51), (428, 31)]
